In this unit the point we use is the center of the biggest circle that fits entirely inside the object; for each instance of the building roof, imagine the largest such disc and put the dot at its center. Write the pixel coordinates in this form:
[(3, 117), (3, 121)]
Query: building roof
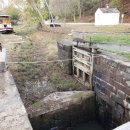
[(125, 126), (109, 10), (4, 16)]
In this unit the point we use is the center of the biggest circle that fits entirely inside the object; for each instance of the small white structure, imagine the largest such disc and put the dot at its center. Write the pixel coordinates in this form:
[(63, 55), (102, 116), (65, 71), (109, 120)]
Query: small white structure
[(107, 16)]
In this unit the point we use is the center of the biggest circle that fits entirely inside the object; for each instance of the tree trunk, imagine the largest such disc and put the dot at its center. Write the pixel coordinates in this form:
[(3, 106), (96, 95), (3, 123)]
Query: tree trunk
[(74, 17), (80, 9), (80, 13), (37, 10), (50, 13)]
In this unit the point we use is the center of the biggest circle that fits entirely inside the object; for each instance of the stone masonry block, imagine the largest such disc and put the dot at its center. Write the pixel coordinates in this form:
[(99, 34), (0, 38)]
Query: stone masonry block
[(121, 87), (126, 104), (94, 79), (128, 83), (125, 75), (114, 64), (99, 81), (65, 52), (97, 60), (128, 70), (118, 112), (128, 99), (121, 67), (121, 94), (108, 86), (103, 96), (117, 99)]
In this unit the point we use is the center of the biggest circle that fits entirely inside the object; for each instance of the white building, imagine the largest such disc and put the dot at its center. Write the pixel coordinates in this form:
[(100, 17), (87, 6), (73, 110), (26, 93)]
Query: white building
[(107, 16)]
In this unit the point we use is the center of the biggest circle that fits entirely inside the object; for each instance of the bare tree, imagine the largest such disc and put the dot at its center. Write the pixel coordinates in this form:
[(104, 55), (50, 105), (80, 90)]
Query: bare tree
[(35, 5), (66, 8)]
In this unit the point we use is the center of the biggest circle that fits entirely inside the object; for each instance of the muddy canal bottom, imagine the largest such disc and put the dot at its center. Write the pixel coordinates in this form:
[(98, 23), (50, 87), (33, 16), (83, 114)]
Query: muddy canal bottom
[(92, 125)]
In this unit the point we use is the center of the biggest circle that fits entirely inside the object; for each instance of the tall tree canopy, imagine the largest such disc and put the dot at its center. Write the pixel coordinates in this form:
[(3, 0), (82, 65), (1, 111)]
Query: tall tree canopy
[(14, 12), (116, 3), (35, 11), (72, 8)]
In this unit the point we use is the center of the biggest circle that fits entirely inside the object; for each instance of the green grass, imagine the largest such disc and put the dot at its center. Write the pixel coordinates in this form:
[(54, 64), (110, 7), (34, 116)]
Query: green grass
[(77, 95), (38, 105), (109, 38), (126, 55), (62, 82)]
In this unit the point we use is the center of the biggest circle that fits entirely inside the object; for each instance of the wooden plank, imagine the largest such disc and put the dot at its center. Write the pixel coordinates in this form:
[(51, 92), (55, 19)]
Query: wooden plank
[(84, 69), (81, 51), (82, 61)]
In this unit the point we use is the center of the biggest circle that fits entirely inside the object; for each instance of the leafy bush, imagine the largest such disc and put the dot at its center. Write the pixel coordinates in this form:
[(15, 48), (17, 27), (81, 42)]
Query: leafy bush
[(116, 4), (14, 12)]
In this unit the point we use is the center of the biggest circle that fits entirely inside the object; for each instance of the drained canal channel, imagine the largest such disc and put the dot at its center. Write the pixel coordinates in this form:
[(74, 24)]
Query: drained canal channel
[(97, 99), (103, 105)]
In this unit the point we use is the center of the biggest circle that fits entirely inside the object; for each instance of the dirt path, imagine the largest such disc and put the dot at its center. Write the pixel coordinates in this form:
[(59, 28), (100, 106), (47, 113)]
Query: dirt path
[(10, 41)]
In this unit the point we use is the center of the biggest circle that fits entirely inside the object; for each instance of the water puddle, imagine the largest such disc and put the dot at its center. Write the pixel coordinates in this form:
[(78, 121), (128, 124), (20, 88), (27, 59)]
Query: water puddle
[(92, 125)]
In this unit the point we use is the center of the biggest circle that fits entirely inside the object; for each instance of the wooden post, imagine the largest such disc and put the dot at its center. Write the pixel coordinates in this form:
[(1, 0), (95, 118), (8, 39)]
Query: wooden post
[(94, 51), (122, 18)]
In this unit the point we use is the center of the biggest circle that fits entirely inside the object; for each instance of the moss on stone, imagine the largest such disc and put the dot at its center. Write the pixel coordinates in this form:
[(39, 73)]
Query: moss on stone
[(80, 95), (38, 105)]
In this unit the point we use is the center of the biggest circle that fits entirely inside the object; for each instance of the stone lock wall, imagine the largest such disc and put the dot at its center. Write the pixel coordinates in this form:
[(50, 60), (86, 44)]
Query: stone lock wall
[(66, 112), (111, 81), (65, 52), (13, 115)]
